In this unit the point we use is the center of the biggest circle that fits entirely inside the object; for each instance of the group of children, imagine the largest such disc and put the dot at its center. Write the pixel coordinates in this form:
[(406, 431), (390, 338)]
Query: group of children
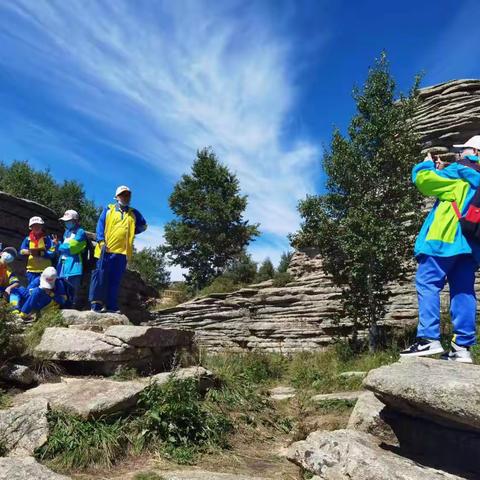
[(55, 268)]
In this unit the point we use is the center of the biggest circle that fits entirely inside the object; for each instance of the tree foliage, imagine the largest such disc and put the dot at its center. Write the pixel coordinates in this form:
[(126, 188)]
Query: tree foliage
[(22, 180), (365, 223), (284, 262), (210, 229), (266, 271), (151, 264)]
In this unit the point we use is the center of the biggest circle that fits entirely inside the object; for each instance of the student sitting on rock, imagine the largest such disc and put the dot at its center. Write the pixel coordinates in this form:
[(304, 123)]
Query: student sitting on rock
[(39, 249), (44, 293), (9, 282)]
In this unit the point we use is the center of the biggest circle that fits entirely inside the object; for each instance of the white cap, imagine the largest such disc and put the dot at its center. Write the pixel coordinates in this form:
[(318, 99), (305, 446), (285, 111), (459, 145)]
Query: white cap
[(473, 142), (121, 189), (70, 215), (48, 277), (35, 220)]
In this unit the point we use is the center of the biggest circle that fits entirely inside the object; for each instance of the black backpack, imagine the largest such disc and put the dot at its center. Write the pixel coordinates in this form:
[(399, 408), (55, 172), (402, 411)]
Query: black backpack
[(470, 222)]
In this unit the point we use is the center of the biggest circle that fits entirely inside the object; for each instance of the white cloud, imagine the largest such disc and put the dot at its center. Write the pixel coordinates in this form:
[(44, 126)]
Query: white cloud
[(175, 78)]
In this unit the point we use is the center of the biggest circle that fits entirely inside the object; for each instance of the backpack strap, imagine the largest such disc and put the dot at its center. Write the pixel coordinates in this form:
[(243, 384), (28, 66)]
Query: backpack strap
[(456, 209)]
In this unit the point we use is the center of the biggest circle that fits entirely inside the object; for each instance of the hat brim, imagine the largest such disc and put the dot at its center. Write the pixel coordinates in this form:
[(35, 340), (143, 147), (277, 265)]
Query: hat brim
[(66, 219), (10, 250)]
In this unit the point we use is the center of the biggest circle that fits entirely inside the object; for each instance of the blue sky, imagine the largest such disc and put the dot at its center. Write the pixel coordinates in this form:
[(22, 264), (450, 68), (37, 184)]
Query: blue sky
[(125, 92)]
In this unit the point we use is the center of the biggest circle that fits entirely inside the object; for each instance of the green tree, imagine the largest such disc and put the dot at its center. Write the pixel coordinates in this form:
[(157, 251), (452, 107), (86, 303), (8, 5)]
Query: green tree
[(284, 262), (210, 229), (21, 180), (241, 270), (151, 264), (266, 271), (365, 223)]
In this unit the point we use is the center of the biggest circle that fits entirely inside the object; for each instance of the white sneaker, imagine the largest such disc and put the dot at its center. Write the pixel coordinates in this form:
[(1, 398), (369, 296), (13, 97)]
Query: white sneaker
[(458, 354), (423, 348)]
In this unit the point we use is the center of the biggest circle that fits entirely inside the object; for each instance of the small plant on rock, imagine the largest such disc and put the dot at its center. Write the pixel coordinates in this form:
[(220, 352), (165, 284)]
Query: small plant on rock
[(52, 318)]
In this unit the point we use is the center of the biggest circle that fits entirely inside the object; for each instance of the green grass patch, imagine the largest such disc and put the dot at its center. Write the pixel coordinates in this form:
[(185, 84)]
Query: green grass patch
[(337, 406), (125, 374), (148, 476)]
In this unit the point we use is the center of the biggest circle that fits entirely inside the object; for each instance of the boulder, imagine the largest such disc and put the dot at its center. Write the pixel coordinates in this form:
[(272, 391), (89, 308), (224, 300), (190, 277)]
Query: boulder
[(348, 454), (94, 397), (367, 417), (19, 374), (447, 393), (26, 468), (94, 319), (143, 348), (153, 337), (24, 428)]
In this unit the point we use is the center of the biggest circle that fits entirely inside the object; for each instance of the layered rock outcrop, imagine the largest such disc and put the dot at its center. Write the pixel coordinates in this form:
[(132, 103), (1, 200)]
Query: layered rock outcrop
[(14, 215), (301, 315)]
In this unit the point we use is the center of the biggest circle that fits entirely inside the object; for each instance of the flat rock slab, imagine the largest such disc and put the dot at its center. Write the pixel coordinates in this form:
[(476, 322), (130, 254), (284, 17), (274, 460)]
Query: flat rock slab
[(24, 428), (204, 475), (352, 375), (26, 468), (444, 392), (153, 337), (87, 317), (282, 393), (65, 344), (347, 454), (94, 397), (337, 397)]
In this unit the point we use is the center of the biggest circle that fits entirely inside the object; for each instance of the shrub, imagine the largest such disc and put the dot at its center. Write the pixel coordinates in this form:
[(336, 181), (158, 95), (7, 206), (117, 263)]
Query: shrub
[(174, 414), (7, 330), (222, 284), (281, 279), (76, 443)]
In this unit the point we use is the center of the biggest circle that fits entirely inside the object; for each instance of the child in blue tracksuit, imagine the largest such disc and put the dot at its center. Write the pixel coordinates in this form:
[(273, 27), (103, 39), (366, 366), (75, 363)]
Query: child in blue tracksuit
[(9, 282), (70, 265), (44, 293), (445, 254), (38, 248)]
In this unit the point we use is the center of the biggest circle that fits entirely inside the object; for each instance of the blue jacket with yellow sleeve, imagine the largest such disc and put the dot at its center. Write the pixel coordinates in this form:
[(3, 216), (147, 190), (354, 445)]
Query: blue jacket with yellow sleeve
[(441, 234), (70, 250), (117, 227)]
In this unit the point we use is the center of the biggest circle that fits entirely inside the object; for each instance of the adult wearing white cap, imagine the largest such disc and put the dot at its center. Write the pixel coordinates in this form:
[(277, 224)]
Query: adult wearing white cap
[(70, 265), (38, 248), (448, 250), (46, 292), (116, 228)]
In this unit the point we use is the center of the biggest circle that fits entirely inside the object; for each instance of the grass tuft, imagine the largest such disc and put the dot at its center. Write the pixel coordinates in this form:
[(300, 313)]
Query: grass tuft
[(52, 318)]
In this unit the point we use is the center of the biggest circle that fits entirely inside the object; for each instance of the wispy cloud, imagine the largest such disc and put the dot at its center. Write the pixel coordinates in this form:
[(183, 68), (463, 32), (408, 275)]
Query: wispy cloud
[(161, 79)]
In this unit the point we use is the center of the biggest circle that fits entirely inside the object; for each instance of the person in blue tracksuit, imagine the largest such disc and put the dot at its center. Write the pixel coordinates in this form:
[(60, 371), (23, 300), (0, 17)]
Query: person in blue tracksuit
[(9, 282), (38, 248), (116, 229), (45, 293), (445, 254), (70, 250)]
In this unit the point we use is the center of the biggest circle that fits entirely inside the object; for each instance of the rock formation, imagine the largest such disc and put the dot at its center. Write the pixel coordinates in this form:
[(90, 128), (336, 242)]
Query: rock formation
[(14, 215), (420, 419), (301, 315)]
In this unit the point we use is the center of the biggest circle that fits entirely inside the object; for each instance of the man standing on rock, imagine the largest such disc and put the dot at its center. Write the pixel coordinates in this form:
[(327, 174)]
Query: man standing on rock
[(116, 229), (444, 253)]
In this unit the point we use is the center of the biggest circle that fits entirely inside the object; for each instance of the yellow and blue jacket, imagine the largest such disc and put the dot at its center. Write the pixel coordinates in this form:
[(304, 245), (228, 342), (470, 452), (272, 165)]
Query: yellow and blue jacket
[(7, 278), (44, 260), (117, 227), (70, 250), (39, 300), (441, 234)]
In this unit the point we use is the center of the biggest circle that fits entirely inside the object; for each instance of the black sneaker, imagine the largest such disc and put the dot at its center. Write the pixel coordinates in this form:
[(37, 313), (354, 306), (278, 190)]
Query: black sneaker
[(423, 348), (458, 353)]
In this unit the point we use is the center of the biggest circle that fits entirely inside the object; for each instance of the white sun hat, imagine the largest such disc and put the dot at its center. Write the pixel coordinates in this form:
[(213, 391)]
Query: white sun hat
[(473, 142), (70, 215), (121, 189), (48, 277), (36, 221)]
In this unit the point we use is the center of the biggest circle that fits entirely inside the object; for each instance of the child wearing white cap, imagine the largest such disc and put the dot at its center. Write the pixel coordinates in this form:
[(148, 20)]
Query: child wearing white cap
[(38, 248), (70, 265)]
